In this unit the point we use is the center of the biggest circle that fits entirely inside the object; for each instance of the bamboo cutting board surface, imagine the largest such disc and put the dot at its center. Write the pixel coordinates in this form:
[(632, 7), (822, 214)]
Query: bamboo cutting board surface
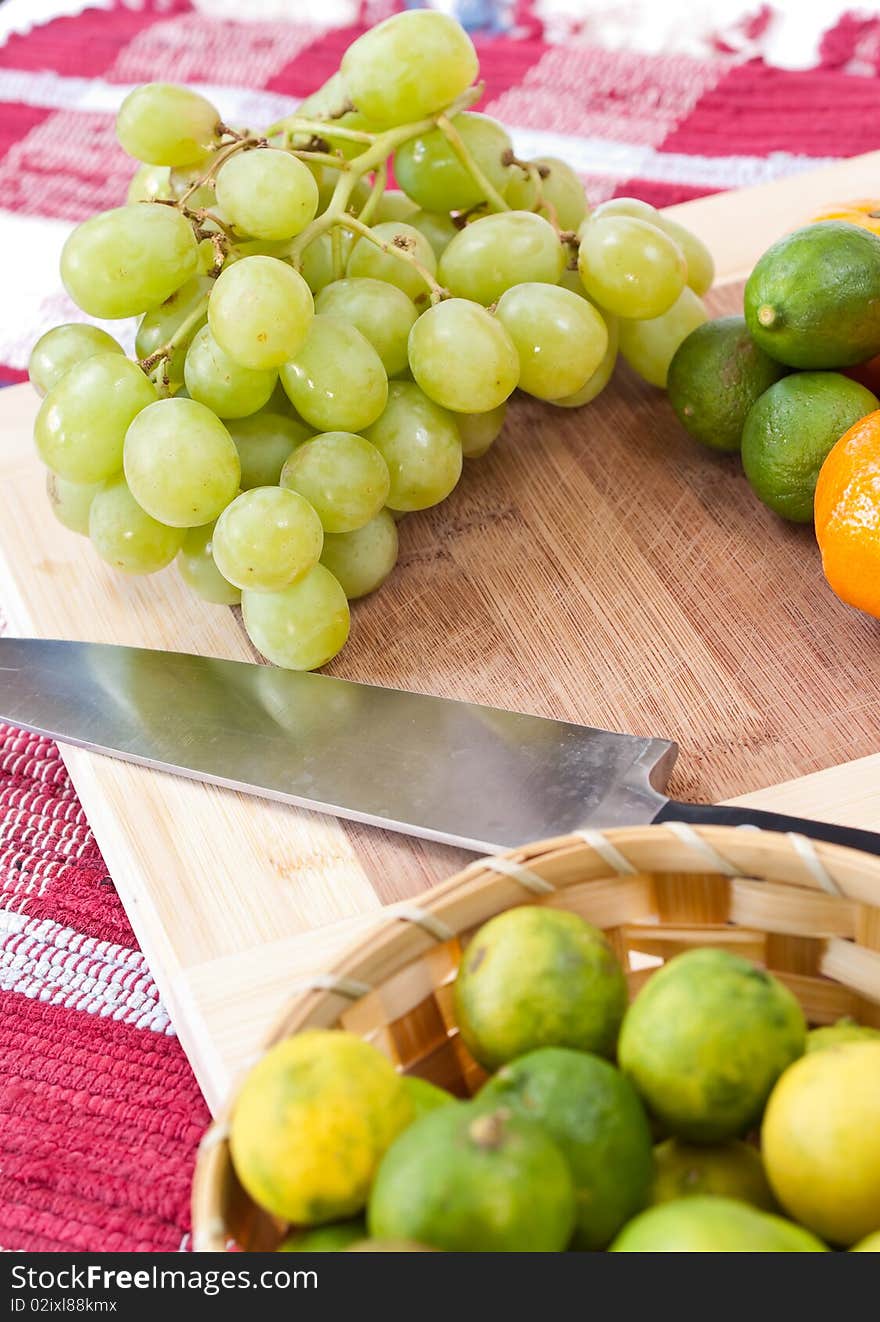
[(597, 566)]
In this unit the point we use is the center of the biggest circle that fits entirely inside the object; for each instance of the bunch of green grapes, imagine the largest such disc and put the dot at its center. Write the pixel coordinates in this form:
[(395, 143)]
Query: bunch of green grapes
[(318, 353)]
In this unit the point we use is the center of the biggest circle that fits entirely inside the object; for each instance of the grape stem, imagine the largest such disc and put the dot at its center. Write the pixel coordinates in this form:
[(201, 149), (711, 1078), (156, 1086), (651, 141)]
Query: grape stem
[(397, 249), (454, 138), (380, 179), (189, 324), (537, 174), (293, 125)]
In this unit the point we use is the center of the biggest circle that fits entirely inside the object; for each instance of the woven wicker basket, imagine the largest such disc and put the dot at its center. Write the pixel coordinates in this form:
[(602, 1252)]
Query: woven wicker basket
[(809, 913)]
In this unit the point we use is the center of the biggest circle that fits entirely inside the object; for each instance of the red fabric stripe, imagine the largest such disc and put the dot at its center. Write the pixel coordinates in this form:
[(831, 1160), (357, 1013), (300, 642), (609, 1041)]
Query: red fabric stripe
[(83, 46), (17, 121), (99, 1124)]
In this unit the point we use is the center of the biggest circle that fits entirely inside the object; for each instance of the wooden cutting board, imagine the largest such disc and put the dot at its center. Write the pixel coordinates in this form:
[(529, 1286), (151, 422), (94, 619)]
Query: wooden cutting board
[(596, 566)]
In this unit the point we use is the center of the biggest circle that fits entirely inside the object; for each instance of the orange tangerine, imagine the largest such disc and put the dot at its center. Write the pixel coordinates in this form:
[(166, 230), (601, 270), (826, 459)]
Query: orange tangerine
[(864, 212), (847, 515)]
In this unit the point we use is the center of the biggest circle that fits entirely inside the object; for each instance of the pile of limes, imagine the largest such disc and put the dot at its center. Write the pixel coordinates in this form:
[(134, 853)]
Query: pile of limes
[(703, 1117)]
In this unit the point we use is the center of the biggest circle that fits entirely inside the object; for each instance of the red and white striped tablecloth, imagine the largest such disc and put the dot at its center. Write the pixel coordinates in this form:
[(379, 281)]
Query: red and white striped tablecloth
[(99, 1112)]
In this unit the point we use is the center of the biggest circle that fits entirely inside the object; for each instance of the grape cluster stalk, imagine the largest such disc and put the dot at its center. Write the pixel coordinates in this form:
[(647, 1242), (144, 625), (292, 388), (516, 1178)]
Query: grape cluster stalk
[(317, 353)]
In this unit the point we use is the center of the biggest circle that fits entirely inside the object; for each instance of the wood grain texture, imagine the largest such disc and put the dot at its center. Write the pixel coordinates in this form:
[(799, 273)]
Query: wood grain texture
[(597, 566)]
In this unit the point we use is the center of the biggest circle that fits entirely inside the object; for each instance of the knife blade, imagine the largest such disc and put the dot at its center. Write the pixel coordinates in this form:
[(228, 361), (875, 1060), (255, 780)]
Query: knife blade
[(461, 773)]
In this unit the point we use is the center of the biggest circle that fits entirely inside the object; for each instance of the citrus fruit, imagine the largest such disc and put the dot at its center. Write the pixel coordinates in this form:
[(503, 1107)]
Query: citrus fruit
[(712, 1225), (325, 1239), (705, 1040), (535, 977), (388, 1246), (471, 1180), (847, 515), (728, 1170), (864, 212), (311, 1123), (870, 1244), (845, 1030), (599, 1125), (811, 300), (715, 377), (789, 432), (425, 1096), (821, 1141)]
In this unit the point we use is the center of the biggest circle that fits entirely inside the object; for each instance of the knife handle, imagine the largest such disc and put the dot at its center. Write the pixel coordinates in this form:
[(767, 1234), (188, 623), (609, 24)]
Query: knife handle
[(722, 814)]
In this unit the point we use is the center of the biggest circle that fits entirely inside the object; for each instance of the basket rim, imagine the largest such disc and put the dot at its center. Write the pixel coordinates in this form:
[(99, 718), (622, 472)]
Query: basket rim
[(406, 931)]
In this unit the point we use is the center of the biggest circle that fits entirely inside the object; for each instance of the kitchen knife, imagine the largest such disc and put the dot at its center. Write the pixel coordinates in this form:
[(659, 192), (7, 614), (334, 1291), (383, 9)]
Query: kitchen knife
[(478, 777)]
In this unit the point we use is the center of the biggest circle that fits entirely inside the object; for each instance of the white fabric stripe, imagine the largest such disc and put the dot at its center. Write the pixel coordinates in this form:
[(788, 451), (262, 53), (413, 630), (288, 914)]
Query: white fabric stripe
[(47, 961)]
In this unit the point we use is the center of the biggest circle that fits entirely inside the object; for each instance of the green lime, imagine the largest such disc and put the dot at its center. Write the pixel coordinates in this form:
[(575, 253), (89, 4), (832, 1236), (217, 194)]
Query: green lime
[(811, 301), (538, 977), (596, 1119), (714, 379), (789, 431), (325, 1239), (469, 1180), (729, 1170), (706, 1039), (713, 1225), (425, 1096), (845, 1030)]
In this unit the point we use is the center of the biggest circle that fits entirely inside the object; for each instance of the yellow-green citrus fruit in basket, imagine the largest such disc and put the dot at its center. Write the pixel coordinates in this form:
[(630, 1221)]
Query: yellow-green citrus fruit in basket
[(312, 1121), (821, 1141), (594, 1115), (715, 377), (845, 1030), (811, 301), (870, 1244), (325, 1239), (706, 1039), (726, 1170), (536, 977), (466, 1179), (713, 1225), (790, 431), (425, 1096)]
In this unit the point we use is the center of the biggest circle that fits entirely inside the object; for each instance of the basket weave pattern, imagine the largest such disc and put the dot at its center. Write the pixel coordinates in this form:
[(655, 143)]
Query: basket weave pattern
[(810, 913)]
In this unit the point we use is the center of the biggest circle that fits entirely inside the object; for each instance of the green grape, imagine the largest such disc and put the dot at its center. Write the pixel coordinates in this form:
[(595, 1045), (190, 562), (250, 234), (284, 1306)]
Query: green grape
[(80, 429), (393, 205), (166, 125), (342, 476), (303, 626), (126, 536), (560, 339), (336, 382), (497, 252), (369, 260), (429, 171), (603, 373), (420, 443), (267, 193), (560, 186), (479, 431), (630, 267), (327, 186), (63, 347), (408, 67), (363, 559), (217, 380), (71, 501), (326, 103), (381, 312), (149, 183), (157, 327), (571, 280), (700, 263), (317, 260), (264, 441), (649, 346), (438, 228), (267, 538), (462, 357), (260, 312), (199, 571), (124, 262), (180, 463), (182, 178)]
